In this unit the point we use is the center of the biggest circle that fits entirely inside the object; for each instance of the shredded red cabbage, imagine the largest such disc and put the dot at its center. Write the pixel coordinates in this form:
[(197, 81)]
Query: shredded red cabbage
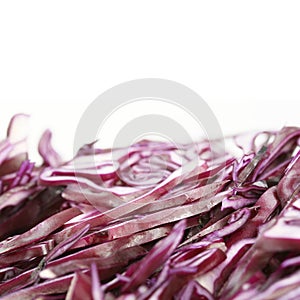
[(151, 221)]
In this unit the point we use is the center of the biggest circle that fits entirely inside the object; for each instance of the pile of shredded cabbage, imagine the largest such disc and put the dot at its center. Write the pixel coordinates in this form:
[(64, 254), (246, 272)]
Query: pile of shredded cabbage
[(151, 221)]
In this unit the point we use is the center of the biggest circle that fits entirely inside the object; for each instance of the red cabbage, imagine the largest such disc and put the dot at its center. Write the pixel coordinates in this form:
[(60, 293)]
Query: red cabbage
[(110, 224)]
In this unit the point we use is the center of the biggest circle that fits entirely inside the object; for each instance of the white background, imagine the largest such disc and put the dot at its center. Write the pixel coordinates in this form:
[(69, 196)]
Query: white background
[(242, 57)]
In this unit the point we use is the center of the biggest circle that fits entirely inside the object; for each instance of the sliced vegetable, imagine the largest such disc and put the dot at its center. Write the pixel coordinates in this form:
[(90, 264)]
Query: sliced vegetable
[(151, 221)]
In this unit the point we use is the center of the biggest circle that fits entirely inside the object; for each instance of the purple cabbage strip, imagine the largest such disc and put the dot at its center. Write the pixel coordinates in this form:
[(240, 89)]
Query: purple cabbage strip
[(49, 155), (97, 290)]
